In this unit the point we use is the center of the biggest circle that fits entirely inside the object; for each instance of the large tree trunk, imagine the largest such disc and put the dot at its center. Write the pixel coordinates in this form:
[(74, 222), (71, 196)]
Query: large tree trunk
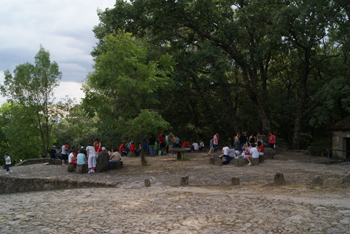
[(253, 96), (143, 160), (299, 112), (303, 92)]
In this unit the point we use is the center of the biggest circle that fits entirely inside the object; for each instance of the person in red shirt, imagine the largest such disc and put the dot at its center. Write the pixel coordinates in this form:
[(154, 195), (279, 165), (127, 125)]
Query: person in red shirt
[(132, 147), (260, 148), (185, 144), (121, 148), (161, 140)]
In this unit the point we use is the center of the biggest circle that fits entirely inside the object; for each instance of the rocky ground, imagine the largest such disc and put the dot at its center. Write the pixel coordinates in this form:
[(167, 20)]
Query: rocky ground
[(208, 205)]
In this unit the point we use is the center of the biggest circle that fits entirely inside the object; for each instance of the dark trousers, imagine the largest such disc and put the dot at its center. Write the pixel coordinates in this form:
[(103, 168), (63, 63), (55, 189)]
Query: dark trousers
[(228, 159)]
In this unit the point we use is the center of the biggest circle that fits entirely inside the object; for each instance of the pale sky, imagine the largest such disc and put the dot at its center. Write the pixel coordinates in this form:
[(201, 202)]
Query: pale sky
[(63, 27)]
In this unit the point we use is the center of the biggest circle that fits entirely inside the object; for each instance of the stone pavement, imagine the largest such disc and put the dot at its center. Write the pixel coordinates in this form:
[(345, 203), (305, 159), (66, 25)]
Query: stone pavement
[(164, 209)]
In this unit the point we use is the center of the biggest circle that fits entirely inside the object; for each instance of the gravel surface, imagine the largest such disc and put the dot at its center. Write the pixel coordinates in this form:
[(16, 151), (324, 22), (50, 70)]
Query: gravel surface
[(208, 205)]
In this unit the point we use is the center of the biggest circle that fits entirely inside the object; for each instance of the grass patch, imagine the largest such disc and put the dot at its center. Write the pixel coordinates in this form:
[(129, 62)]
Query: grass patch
[(184, 159)]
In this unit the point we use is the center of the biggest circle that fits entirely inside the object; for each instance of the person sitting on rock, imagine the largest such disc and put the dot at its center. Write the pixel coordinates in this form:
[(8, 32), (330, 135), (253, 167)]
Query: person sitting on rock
[(114, 157), (132, 147), (201, 145), (72, 159), (254, 153), (194, 146), (260, 148), (185, 144), (103, 161), (225, 154), (81, 157)]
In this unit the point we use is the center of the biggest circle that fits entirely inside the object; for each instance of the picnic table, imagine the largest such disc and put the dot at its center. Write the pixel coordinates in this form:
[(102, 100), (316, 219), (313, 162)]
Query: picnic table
[(180, 152)]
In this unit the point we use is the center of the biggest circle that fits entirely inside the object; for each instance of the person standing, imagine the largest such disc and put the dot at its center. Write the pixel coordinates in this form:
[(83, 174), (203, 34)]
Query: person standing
[(8, 163), (237, 141), (169, 142), (216, 142), (151, 142), (272, 140), (242, 141), (211, 144), (64, 153), (161, 140), (91, 154), (97, 146)]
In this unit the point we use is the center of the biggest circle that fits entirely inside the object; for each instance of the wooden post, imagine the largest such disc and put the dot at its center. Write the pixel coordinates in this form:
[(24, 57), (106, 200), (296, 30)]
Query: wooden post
[(211, 160), (184, 181), (235, 181), (147, 183), (279, 179)]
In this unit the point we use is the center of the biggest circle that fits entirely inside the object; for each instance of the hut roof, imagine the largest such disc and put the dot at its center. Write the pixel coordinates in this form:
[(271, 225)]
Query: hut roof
[(342, 125)]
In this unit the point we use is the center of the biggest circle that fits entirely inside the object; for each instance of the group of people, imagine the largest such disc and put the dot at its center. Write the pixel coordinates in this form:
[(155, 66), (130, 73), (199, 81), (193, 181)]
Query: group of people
[(82, 155), (245, 139), (245, 146)]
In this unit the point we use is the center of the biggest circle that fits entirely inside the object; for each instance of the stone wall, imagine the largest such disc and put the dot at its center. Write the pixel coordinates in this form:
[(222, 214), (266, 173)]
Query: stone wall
[(14, 185), (339, 143), (33, 161)]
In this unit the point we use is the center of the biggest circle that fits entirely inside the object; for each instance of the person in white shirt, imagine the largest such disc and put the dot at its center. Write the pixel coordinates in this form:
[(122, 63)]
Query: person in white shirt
[(226, 155), (201, 145), (194, 146), (254, 153)]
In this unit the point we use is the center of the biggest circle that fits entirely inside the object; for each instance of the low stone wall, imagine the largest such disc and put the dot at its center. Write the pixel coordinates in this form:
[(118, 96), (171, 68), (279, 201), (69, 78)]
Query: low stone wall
[(33, 161), (14, 185)]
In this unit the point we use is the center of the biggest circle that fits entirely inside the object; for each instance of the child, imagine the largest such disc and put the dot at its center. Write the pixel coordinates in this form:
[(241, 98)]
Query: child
[(8, 163)]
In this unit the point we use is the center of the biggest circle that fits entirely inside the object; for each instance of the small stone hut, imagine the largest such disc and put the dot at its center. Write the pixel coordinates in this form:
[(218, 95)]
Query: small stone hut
[(341, 137)]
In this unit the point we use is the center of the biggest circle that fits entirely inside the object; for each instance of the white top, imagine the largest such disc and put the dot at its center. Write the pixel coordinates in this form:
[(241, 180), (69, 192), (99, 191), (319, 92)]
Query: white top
[(254, 152), (70, 157), (202, 144), (64, 150), (195, 146), (225, 150), (8, 160)]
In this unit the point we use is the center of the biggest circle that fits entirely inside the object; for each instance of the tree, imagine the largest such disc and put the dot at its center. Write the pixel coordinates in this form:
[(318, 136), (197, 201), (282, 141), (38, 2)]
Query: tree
[(31, 88), (125, 82)]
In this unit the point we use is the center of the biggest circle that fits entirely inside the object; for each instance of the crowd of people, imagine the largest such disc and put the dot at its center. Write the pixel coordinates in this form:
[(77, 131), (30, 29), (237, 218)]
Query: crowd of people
[(246, 146), (84, 155)]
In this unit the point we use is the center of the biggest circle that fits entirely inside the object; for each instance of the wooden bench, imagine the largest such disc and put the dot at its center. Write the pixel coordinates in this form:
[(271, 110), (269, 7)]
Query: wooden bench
[(180, 152)]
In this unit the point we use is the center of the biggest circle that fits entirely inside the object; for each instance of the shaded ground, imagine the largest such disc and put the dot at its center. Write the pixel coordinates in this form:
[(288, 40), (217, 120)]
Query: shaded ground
[(208, 205)]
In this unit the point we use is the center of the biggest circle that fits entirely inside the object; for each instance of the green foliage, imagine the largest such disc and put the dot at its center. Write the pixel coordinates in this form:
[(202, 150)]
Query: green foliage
[(123, 87), (30, 90)]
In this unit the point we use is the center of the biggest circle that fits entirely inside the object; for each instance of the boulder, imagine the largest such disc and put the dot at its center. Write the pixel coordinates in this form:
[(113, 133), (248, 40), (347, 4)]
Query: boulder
[(147, 183), (279, 179), (261, 158), (269, 153), (81, 169), (116, 165), (317, 180), (255, 161), (346, 179), (184, 181), (214, 161), (240, 162), (102, 162), (71, 168), (131, 154), (235, 181)]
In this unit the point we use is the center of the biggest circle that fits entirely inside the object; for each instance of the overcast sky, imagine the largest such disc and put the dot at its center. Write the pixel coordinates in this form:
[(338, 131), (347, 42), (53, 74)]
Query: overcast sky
[(63, 27)]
